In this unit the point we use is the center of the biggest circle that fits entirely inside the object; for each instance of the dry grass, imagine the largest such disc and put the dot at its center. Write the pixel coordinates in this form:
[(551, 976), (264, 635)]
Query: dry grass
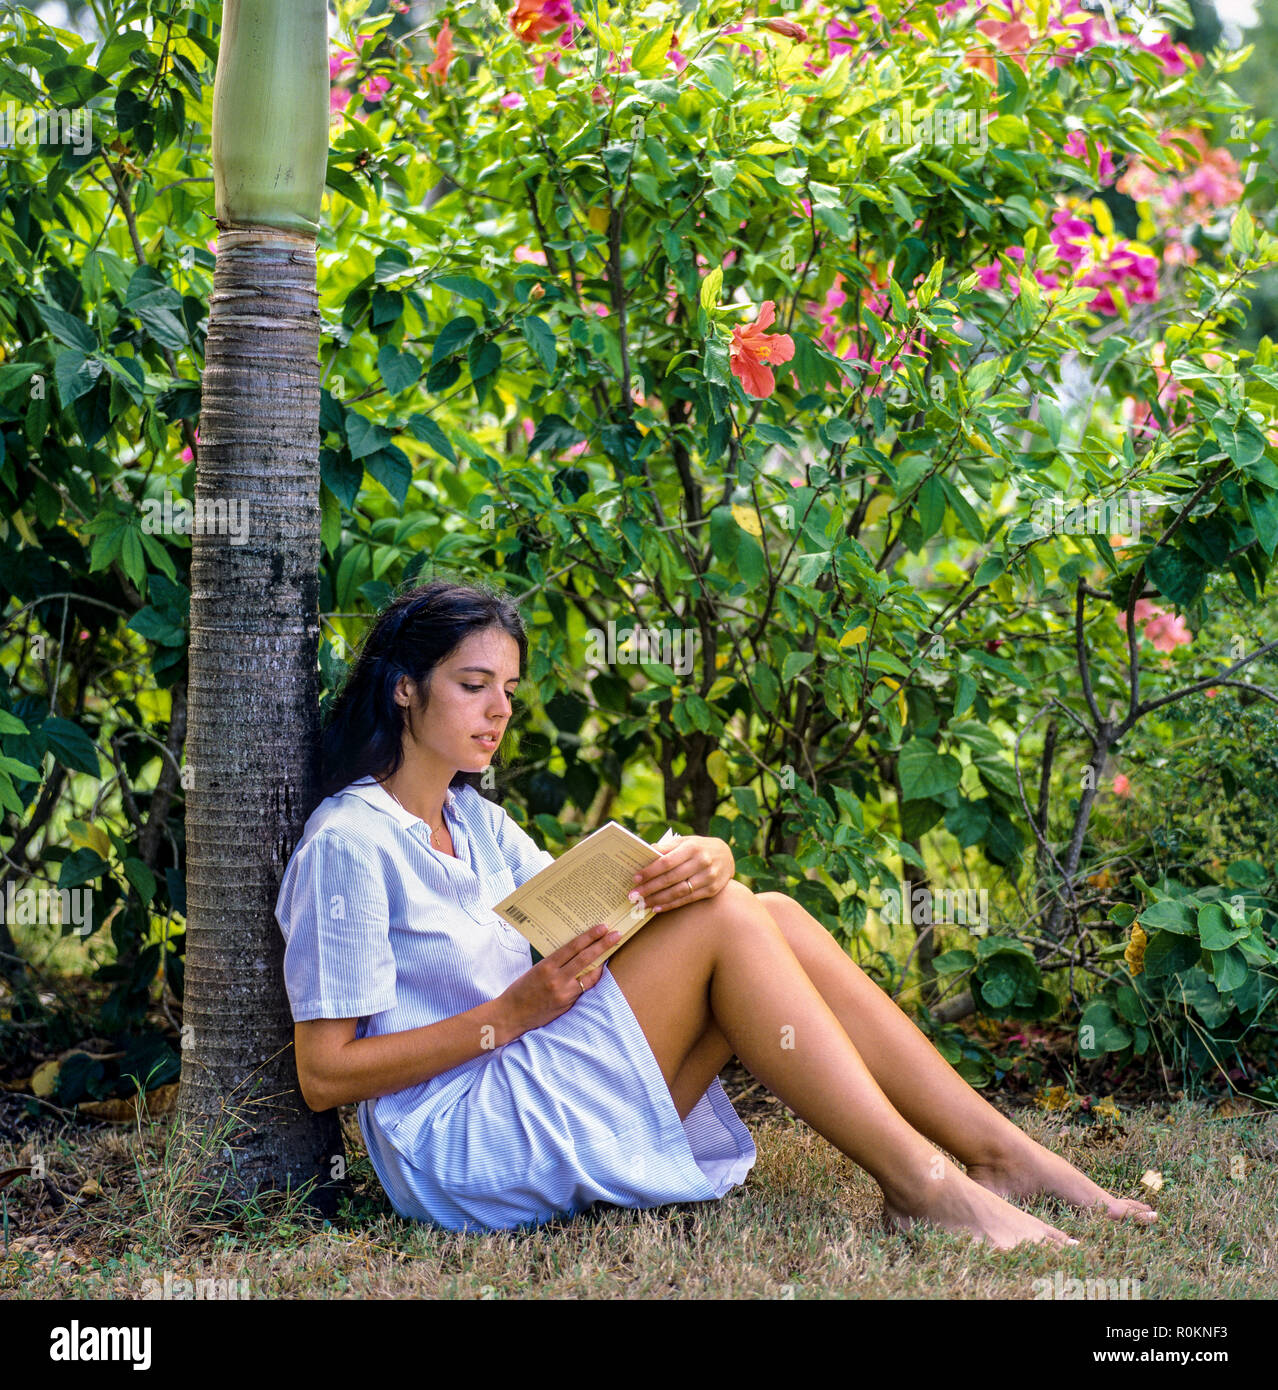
[(806, 1225)]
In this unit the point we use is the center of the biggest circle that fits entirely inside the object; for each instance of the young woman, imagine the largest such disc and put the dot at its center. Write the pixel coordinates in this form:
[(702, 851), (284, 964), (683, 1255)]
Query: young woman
[(494, 1093)]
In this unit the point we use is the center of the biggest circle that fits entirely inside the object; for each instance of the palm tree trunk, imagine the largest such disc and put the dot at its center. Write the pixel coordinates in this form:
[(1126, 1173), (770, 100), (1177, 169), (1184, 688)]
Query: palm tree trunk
[(253, 733)]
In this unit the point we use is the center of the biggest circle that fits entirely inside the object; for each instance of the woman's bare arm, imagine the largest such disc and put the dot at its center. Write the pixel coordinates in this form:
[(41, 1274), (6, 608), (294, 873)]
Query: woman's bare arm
[(334, 1067)]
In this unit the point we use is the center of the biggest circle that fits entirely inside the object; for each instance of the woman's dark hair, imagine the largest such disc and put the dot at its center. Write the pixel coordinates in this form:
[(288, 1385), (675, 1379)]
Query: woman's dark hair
[(418, 629)]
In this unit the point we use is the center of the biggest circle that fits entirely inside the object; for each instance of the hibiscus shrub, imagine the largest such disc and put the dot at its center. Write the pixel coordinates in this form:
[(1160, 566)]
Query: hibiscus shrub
[(885, 356)]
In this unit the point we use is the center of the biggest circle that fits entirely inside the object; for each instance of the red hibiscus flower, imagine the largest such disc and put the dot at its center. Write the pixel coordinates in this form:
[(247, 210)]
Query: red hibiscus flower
[(752, 349)]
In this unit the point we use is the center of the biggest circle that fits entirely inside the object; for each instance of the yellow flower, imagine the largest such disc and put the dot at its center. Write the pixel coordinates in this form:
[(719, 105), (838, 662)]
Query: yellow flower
[(1052, 1098), (1134, 955), (1107, 1108)]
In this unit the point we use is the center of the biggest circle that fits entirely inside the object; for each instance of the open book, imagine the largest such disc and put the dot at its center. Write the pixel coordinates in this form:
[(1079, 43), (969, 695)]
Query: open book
[(589, 883)]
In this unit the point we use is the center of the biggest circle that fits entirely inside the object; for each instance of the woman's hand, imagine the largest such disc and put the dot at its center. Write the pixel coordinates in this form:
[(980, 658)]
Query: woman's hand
[(557, 981), (698, 866)]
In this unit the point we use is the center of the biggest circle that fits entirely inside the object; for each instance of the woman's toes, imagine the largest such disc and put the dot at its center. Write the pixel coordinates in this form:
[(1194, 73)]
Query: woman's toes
[(1119, 1207)]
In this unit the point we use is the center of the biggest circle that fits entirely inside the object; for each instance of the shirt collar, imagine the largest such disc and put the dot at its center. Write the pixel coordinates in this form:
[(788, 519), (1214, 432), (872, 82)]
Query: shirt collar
[(369, 790)]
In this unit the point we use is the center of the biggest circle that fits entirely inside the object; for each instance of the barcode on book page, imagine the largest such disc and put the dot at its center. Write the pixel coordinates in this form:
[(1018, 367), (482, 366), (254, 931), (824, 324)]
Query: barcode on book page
[(517, 913)]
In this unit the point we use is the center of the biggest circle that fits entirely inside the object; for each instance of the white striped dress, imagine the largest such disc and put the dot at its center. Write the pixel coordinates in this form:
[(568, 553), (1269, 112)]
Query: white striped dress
[(382, 928)]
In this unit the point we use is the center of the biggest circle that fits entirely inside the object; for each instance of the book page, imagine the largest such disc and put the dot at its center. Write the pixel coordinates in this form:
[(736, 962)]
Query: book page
[(587, 884)]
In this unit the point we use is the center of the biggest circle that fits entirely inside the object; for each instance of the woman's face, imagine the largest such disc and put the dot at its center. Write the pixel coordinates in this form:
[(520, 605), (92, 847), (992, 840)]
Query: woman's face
[(470, 695)]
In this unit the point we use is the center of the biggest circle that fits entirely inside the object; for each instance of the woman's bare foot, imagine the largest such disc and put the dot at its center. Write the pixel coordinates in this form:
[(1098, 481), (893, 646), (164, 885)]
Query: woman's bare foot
[(1033, 1171), (957, 1203)]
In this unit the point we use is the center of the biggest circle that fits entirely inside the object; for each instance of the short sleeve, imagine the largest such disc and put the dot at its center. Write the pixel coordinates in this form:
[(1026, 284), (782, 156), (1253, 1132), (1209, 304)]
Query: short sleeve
[(519, 849), (334, 914)]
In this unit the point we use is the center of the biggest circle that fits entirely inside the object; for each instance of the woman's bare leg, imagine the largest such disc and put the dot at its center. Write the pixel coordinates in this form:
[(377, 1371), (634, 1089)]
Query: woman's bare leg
[(724, 961), (923, 1086)]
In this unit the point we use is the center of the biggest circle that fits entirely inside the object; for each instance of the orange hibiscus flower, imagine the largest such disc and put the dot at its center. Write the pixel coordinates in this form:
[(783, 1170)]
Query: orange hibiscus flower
[(444, 52), (752, 349), (1013, 39)]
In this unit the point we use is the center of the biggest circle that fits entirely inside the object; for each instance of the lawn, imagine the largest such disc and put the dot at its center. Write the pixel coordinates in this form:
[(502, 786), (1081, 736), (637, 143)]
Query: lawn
[(117, 1222)]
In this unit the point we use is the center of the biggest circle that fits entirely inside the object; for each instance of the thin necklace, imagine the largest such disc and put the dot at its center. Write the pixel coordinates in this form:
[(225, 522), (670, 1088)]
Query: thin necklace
[(423, 819)]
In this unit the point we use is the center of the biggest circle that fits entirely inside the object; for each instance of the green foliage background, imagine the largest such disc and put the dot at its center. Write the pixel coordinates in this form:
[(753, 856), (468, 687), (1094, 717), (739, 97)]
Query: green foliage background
[(883, 636)]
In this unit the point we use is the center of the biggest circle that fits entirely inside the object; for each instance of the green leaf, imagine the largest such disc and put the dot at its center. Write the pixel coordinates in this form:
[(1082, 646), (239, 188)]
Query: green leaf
[(71, 746), (82, 866), (161, 323), (155, 627), (951, 962), (554, 434), (723, 172), (716, 363), (540, 337), (141, 878), (390, 467), (1100, 1030), (453, 337), (399, 370), (1245, 872), (67, 329), (14, 767), (1168, 915), (1169, 954), (75, 374), (1228, 969), (363, 436), (617, 159), (469, 288), (1216, 931), (1262, 508), (1178, 573), (931, 506), (719, 70), (424, 428), (794, 663), (924, 772), (968, 519), (1242, 232), (648, 57), (710, 288), (989, 569)]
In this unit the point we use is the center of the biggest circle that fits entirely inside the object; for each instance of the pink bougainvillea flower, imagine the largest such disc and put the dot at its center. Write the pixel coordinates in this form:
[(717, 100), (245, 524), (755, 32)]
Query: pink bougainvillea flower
[(1171, 55), (1076, 146), (186, 455), (839, 35), (526, 253), (444, 53), (512, 99), (1122, 787), (374, 88), (753, 348)]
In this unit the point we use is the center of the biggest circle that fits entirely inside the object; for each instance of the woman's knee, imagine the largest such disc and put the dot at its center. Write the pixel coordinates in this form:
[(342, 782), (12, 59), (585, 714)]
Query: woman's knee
[(728, 909)]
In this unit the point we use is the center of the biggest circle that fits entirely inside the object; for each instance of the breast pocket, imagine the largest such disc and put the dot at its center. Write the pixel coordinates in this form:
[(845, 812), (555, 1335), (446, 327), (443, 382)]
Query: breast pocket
[(495, 887)]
